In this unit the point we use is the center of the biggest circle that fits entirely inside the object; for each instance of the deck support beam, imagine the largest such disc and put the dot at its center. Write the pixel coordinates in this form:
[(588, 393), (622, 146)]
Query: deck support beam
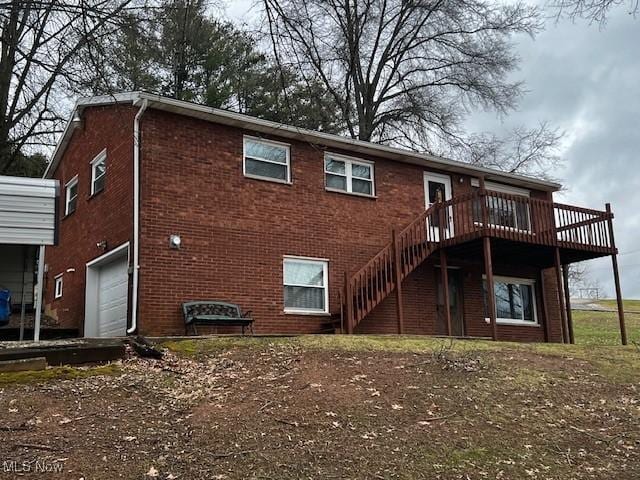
[(491, 293), (616, 278), (545, 308), (445, 290), (561, 302), (567, 300), (348, 304), (398, 280)]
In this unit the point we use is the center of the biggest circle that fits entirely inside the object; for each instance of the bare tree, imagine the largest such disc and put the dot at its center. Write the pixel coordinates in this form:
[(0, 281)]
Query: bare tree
[(528, 151), (404, 72), (594, 10), (40, 43)]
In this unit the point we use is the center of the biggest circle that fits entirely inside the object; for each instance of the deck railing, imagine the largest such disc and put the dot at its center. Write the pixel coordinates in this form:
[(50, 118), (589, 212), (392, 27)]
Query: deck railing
[(461, 219)]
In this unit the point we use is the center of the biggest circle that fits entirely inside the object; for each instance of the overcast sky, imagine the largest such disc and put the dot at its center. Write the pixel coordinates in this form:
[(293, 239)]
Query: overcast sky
[(585, 80)]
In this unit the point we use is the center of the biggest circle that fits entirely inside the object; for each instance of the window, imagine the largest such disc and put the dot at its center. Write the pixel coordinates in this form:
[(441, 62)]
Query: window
[(98, 172), (506, 212), (58, 286), (266, 160), (348, 175), (71, 196), (305, 285), (515, 300)]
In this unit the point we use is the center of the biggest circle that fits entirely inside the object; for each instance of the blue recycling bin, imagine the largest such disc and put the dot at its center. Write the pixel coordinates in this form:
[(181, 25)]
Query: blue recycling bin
[(5, 306)]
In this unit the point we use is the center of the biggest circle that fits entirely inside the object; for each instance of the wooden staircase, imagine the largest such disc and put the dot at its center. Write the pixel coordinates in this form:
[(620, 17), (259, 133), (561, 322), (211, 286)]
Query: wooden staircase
[(379, 277)]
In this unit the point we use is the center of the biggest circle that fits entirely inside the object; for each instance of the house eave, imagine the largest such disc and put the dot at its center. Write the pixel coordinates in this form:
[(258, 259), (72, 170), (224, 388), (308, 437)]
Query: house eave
[(246, 122)]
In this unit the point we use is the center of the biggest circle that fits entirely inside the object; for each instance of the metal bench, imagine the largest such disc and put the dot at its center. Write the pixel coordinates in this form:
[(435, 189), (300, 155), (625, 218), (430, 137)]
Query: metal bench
[(214, 313)]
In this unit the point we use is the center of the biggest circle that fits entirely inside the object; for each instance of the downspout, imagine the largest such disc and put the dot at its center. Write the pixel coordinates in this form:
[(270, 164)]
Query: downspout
[(136, 216)]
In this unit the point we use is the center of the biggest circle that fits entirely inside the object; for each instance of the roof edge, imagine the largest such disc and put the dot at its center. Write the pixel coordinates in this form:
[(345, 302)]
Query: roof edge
[(288, 131)]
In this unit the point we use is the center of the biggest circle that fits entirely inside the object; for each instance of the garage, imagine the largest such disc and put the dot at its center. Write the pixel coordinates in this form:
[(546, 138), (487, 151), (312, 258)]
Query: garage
[(107, 294)]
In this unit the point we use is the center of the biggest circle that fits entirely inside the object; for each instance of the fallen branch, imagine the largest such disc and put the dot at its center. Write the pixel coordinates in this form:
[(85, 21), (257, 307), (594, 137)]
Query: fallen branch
[(265, 406), (35, 446), (232, 454), (597, 437), (287, 422), (443, 417), (20, 428)]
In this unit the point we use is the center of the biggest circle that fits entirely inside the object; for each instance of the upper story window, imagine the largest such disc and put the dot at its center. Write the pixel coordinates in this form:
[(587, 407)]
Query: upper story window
[(515, 300), (267, 160), (58, 286), (98, 172), (71, 196), (348, 175), (306, 285)]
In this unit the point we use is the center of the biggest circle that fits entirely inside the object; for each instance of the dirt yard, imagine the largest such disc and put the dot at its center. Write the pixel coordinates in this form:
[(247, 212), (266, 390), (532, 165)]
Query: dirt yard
[(331, 407)]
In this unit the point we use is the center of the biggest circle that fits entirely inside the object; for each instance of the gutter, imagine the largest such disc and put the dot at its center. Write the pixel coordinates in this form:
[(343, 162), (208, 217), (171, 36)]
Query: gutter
[(136, 216)]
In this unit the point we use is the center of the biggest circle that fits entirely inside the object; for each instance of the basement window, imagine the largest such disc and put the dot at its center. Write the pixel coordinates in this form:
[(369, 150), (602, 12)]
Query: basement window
[(349, 175), (71, 196), (514, 299), (98, 172), (306, 285), (58, 286), (266, 160)]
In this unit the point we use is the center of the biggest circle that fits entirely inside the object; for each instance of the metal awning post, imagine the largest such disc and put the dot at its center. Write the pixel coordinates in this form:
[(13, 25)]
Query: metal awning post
[(23, 301), (38, 302)]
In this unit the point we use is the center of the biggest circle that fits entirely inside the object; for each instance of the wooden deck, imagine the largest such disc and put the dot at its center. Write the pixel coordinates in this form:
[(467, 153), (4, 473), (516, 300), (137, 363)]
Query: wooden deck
[(543, 233)]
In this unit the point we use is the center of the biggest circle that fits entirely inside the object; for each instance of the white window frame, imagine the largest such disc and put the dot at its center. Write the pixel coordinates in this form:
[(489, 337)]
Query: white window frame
[(509, 190), (71, 183), (325, 276), (287, 148), (348, 174), (57, 286), (517, 281), (101, 157)]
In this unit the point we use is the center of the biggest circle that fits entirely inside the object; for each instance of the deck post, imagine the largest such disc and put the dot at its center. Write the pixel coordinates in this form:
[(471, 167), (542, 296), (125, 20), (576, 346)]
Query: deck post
[(563, 311), (445, 289), (348, 303), (491, 299), (484, 208), (616, 278), (397, 268), (545, 308), (567, 299)]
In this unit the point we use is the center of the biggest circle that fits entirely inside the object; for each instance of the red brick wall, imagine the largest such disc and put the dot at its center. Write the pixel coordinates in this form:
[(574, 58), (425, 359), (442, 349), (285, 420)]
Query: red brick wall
[(107, 216), (235, 232)]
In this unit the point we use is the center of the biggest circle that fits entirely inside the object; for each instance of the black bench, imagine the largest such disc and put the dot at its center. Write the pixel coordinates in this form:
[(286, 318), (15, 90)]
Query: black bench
[(214, 313)]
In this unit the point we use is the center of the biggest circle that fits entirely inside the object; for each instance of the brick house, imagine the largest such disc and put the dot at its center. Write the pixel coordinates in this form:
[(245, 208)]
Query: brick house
[(309, 231)]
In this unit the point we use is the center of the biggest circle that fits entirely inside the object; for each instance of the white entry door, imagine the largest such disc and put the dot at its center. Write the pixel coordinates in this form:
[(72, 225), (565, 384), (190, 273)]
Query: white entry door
[(437, 188), (107, 296)]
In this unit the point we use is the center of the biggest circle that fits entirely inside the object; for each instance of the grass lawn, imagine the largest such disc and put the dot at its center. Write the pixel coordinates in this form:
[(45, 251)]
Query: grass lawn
[(333, 407), (602, 328)]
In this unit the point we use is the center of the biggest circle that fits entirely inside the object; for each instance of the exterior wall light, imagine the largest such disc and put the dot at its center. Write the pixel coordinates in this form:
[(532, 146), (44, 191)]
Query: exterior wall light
[(175, 242)]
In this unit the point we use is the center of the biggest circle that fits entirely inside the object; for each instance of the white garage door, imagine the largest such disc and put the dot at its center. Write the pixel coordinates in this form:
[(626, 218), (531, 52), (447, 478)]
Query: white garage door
[(112, 299)]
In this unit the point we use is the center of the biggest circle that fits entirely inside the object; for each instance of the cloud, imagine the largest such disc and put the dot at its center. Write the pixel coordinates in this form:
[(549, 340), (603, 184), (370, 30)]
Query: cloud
[(586, 81)]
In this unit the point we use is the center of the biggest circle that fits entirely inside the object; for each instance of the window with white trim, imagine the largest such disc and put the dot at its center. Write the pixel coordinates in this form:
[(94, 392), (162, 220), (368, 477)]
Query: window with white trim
[(267, 160), (71, 196), (98, 172), (515, 300), (306, 285), (348, 175), (58, 286)]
